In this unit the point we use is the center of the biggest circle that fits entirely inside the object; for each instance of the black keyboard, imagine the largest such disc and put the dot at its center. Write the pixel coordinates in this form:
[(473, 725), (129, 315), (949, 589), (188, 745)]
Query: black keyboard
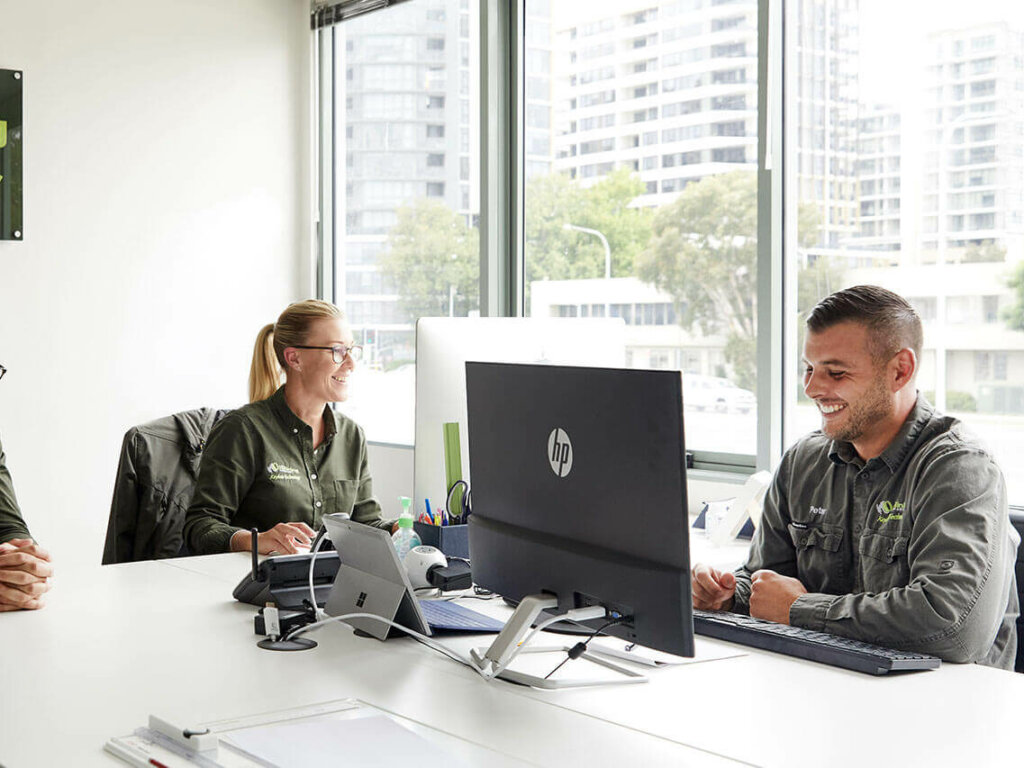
[(808, 644)]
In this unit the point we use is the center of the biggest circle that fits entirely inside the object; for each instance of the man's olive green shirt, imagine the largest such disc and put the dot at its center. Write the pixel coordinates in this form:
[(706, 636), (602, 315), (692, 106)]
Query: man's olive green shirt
[(912, 549), (12, 526), (259, 468)]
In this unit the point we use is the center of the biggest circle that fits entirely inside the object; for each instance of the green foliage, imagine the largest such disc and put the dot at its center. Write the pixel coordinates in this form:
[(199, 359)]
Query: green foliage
[(956, 401), (430, 249), (703, 252), (555, 253), (986, 253), (1013, 315)]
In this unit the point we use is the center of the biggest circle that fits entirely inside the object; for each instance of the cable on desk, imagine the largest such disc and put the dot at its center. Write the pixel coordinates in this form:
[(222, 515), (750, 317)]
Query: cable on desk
[(430, 642), (577, 650), (321, 536)]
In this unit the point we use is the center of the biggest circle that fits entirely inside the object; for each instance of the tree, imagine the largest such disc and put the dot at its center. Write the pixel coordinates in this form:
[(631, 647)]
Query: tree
[(430, 250), (1013, 315), (555, 253), (984, 253), (703, 251)]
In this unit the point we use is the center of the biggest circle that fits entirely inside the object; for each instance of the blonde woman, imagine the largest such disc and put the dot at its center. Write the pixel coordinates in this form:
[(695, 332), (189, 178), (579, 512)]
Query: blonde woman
[(286, 459)]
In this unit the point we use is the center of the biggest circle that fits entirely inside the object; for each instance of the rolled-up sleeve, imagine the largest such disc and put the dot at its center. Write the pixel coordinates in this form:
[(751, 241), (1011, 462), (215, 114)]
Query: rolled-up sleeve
[(771, 547), (959, 559), (226, 472)]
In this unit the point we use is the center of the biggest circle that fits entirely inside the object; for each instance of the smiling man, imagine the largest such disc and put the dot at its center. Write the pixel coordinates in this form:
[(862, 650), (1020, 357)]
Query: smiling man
[(890, 524)]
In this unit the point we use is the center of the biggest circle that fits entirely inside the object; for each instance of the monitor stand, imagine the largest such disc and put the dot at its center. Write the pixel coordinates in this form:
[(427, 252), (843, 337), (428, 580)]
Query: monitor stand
[(508, 644)]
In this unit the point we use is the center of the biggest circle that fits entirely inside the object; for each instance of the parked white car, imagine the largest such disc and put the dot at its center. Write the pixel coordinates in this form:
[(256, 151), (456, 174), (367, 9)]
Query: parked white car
[(711, 393)]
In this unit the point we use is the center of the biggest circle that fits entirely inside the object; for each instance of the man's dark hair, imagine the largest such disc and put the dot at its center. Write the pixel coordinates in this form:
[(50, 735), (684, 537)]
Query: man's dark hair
[(891, 322)]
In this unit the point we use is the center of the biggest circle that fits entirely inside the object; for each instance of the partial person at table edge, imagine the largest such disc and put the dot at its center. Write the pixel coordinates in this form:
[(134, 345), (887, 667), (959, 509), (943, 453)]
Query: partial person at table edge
[(890, 524), (25, 567), (287, 458)]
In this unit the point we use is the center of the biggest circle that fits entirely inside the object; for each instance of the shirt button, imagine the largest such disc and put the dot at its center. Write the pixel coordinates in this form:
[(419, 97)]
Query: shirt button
[(313, 476), (319, 504)]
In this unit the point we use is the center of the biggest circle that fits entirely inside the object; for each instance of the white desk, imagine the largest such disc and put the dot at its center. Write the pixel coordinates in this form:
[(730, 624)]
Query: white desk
[(117, 643)]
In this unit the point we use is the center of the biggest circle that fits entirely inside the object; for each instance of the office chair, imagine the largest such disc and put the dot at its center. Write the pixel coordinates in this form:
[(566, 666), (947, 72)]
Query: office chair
[(1017, 521), (156, 476)]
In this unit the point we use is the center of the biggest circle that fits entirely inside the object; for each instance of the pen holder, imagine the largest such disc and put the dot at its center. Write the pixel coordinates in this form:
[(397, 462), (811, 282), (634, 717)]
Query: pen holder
[(453, 540)]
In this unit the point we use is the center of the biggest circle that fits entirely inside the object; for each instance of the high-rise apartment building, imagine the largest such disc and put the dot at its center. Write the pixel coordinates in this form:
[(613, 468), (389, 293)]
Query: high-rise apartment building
[(822, 98), (879, 183), (973, 191), (668, 90)]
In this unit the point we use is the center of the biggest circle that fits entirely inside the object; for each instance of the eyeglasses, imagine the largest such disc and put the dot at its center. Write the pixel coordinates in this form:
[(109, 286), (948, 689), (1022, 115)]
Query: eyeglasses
[(355, 353), (2, 371)]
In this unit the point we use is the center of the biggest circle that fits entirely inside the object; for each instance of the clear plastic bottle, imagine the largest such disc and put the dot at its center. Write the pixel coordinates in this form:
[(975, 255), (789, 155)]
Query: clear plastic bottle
[(405, 538)]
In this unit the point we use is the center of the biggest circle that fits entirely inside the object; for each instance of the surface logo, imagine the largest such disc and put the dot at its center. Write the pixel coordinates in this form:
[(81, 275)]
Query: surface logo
[(360, 600), (890, 510), (277, 471), (560, 452)]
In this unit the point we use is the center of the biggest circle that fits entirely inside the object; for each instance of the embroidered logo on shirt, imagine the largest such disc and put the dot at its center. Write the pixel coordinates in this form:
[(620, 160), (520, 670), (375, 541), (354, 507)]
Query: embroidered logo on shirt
[(890, 510), (820, 511), (276, 471)]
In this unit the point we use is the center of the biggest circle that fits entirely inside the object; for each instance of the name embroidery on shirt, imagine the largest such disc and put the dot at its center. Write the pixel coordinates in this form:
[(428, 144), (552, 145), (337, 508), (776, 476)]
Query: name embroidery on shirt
[(890, 510), (276, 471)]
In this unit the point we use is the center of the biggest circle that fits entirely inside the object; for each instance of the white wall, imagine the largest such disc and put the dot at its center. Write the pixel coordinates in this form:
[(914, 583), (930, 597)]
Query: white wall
[(167, 216)]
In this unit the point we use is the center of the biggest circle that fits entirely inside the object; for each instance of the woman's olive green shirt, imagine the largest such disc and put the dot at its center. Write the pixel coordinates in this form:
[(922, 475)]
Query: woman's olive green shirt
[(259, 468)]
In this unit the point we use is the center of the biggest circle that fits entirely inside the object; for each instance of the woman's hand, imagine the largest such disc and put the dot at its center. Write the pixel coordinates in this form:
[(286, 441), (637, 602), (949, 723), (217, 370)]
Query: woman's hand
[(282, 539)]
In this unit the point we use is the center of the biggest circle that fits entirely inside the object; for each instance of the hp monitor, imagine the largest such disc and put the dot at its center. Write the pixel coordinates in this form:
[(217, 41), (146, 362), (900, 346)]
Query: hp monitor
[(579, 494)]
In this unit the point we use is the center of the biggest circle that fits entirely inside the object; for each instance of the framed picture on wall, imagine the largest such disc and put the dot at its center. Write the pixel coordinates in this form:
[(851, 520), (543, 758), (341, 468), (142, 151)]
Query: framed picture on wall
[(10, 154)]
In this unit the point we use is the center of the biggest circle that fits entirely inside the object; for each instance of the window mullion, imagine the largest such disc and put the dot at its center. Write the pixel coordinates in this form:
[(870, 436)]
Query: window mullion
[(771, 304)]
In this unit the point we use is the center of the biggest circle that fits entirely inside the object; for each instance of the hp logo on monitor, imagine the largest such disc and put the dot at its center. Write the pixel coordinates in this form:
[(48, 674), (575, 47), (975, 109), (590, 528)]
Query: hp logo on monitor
[(560, 452)]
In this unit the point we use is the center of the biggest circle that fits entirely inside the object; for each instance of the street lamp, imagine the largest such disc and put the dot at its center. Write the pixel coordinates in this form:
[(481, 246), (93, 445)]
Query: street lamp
[(607, 255)]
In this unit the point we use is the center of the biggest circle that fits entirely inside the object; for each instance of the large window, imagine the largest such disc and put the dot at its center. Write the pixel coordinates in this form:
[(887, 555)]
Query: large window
[(659, 231), (406, 200), (905, 167), (627, 176)]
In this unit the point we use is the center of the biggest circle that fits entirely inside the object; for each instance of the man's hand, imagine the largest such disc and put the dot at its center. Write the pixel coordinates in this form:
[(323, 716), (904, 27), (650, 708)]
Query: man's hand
[(771, 595), (25, 572), (713, 590), (282, 539)]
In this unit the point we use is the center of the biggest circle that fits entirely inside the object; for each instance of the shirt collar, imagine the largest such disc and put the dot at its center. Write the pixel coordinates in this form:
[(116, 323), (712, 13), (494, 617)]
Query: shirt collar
[(293, 423), (841, 452)]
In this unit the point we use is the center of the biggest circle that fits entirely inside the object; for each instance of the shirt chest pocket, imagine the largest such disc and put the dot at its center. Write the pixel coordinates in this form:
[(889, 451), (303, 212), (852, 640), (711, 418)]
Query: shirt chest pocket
[(340, 496), (883, 561), (820, 563)]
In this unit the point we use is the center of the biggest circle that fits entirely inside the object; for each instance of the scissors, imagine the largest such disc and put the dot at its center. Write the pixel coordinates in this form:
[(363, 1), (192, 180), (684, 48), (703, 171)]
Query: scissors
[(467, 507)]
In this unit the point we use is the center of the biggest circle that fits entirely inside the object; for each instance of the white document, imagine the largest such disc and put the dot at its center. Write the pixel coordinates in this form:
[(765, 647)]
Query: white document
[(369, 742)]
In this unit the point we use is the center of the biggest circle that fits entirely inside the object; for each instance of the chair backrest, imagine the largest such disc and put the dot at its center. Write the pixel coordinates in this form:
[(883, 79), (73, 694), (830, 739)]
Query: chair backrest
[(1017, 521), (156, 476)]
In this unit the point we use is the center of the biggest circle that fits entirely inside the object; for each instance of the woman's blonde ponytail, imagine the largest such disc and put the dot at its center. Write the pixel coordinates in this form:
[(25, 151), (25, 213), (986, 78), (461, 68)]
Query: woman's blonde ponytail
[(264, 373)]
